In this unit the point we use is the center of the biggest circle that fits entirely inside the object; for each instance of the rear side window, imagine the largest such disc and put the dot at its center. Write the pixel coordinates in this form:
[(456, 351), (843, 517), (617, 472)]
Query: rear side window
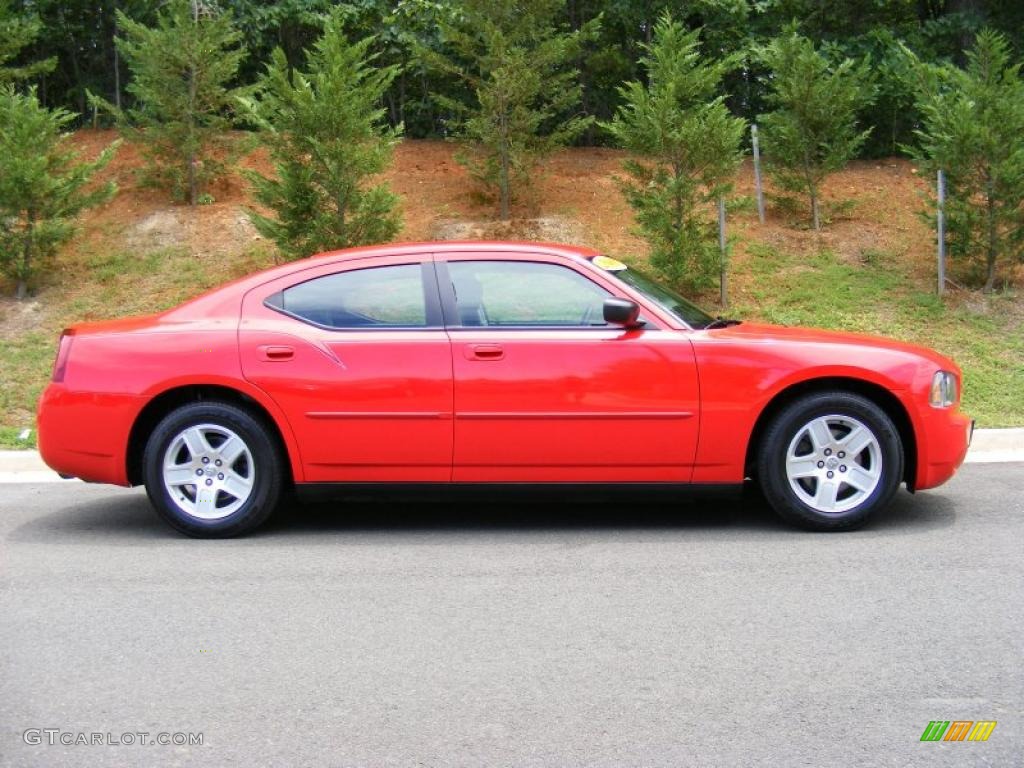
[(524, 293), (378, 297)]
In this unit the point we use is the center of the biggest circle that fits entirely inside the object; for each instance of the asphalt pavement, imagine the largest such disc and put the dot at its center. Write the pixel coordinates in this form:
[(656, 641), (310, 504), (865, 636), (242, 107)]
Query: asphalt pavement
[(533, 630)]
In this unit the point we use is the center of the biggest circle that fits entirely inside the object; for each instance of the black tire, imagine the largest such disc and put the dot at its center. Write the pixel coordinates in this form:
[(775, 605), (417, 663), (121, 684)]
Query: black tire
[(793, 427), (262, 463)]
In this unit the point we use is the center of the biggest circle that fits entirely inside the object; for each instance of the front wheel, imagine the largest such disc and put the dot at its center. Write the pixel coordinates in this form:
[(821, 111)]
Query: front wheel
[(212, 470), (829, 460)]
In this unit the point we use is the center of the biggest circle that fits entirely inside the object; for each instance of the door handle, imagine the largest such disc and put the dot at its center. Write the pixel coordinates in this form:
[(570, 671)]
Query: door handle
[(276, 353), (484, 352)]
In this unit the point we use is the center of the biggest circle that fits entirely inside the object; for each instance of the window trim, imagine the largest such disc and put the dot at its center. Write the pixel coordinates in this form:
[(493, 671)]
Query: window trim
[(434, 315), (451, 315)]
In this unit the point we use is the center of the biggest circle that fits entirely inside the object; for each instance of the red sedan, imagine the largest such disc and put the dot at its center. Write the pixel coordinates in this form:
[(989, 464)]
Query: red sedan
[(488, 363)]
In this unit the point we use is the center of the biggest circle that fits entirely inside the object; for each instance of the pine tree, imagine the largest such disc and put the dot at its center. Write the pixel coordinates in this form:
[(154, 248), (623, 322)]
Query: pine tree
[(326, 134), (182, 70), (17, 32), (687, 147), (42, 184), (522, 86), (972, 128), (812, 131)]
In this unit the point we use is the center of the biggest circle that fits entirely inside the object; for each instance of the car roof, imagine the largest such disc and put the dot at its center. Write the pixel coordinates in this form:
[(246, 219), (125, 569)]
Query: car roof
[(460, 246), (226, 293)]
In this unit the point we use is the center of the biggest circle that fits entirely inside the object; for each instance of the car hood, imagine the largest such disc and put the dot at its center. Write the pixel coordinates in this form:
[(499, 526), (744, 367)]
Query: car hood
[(769, 334)]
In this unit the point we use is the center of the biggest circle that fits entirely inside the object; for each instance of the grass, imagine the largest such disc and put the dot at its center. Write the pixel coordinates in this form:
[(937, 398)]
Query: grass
[(876, 296), (27, 362)]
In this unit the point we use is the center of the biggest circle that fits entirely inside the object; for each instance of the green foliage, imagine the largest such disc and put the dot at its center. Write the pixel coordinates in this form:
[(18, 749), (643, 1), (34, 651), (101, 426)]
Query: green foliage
[(812, 130), (291, 25), (973, 130), (79, 34), (518, 67), (326, 134), (686, 146), (893, 114), (400, 30), (17, 31), (182, 69), (42, 184)]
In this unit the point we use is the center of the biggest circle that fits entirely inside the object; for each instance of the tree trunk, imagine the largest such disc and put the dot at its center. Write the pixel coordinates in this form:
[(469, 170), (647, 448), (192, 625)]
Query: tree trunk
[(392, 108), (504, 192), (425, 92), (992, 249), (812, 189), (576, 24), (677, 204), (193, 192), (21, 290), (401, 99), (968, 8), (117, 80), (117, 62)]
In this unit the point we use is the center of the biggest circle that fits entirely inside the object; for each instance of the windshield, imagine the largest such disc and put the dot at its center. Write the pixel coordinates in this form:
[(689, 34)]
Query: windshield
[(666, 298)]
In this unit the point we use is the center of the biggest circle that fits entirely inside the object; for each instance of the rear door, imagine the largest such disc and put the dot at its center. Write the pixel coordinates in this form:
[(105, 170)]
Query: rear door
[(545, 391), (356, 355)]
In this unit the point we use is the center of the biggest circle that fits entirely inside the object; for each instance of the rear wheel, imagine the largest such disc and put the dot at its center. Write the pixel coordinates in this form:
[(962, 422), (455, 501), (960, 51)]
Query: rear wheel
[(829, 460), (212, 470)]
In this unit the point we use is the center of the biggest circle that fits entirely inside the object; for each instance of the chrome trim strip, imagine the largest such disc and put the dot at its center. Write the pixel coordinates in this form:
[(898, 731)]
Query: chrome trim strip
[(378, 415), (573, 415)]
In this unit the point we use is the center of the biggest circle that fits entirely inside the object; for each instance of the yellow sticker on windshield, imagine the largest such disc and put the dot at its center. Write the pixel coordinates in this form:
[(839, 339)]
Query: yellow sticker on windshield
[(608, 264)]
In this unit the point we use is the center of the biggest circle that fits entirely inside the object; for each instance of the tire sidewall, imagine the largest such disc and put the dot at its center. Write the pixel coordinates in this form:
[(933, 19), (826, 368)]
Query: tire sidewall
[(267, 469), (772, 460)]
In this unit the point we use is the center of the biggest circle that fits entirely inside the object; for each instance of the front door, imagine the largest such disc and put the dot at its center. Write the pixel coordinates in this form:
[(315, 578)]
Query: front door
[(545, 391), (358, 359)]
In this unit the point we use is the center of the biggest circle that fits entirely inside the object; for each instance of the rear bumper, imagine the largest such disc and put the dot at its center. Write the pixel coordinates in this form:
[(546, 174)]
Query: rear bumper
[(85, 435), (942, 446)]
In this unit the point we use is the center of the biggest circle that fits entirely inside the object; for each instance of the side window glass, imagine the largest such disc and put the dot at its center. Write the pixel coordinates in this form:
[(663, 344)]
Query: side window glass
[(524, 293), (377, 297)]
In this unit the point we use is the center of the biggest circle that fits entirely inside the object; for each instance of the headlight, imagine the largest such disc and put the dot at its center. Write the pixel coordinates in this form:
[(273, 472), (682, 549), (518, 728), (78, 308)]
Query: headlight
[(943, 391)]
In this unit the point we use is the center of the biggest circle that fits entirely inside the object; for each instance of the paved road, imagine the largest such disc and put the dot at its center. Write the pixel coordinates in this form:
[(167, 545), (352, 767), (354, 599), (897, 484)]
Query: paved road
[(410, 633)]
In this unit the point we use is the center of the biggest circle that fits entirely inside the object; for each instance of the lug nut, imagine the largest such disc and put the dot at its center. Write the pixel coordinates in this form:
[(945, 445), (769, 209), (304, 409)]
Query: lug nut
[(820, 465), (828, 451), (220, 475), (841, 455), (209, 481), (831, 474), (842, 467), (206, 459), (219, 462), (199, 472)]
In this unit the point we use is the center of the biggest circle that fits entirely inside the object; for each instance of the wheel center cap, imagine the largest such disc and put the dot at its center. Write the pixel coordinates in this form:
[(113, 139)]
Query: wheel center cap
[(832, 462)]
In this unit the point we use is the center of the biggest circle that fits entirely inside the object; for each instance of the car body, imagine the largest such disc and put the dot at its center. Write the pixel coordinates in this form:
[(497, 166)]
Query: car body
[(481, 362)]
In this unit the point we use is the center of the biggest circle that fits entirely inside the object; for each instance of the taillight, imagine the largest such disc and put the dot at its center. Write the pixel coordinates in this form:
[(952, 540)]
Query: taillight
[(63, 351)]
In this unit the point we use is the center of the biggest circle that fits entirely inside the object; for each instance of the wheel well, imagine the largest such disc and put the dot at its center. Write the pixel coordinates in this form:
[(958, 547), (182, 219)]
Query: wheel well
[(880, 396), (161, 405)]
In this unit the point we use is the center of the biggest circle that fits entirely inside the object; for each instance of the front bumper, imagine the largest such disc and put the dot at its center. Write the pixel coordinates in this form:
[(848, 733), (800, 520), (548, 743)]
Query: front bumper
[(942, 446)]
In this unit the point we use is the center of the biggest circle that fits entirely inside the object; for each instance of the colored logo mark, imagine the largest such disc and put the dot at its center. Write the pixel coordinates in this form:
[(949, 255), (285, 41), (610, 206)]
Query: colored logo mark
[(958, 730)]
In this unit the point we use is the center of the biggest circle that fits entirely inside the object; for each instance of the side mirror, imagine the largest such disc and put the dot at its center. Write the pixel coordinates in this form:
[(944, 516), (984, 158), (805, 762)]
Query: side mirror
[(622, 312)]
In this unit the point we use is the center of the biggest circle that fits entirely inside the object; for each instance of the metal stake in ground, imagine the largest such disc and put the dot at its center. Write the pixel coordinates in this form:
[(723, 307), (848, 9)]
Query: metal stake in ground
[(723, 286), (940, 221), (757, 172)]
